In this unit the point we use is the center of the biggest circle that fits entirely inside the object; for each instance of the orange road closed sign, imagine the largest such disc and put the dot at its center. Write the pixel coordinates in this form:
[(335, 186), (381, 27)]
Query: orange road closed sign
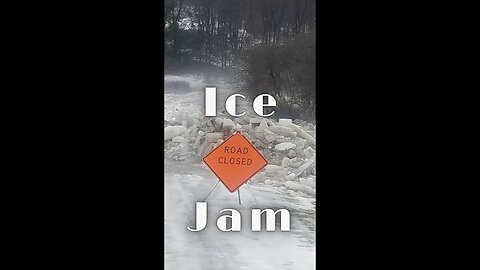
[(235, 161)]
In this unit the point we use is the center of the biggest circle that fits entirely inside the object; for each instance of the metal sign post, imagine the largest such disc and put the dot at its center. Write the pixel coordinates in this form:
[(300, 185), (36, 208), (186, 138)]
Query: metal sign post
[(239, 201), (211, 191)]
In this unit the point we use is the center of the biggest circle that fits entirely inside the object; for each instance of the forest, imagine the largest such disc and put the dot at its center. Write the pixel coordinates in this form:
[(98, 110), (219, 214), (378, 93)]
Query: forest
[(268, 45)]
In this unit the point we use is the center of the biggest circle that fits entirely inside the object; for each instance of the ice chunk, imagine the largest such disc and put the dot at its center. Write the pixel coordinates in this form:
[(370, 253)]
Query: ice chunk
[(201, 149), (308, 182), (214, 137), (274, 183), (204, 149), (218, 121), (186, 116), (241, 121), (178, 139), (302, 168), (285, 146), (208, 149), (259, 177), (260, 135), (281, 175), (270, 122), (263, 125), (302, 133), (245, 118), (271, 138), (268, 132), (256, 120), (217, 143), (272, 168), (291, 154), (290, 177), (299, 187), (285, 162), (179, 158), (180, 149), (227, 123), (296, 162), (299, 142), (196, 144), (309, 152), (284, 122), (281, 130), (190, 132), (247, 128), (173, 131)]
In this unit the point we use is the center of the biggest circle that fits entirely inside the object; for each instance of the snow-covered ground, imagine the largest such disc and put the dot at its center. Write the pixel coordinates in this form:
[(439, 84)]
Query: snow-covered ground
[(210, 249), (188, 180)]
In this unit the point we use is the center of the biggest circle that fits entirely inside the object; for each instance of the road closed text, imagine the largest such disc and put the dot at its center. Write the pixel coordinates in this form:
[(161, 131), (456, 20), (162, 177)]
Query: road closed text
[(235, 160)]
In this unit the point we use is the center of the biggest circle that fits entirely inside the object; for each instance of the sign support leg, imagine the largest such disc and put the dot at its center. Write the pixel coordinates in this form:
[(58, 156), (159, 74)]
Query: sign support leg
[(239, 201), (211, 191)]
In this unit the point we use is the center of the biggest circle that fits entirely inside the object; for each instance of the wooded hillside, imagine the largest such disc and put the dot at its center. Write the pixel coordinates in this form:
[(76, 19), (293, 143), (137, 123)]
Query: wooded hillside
[(270, 43)]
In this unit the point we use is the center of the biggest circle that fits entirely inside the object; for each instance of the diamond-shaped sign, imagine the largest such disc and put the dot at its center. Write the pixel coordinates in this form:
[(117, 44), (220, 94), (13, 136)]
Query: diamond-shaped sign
[(235, 161)]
